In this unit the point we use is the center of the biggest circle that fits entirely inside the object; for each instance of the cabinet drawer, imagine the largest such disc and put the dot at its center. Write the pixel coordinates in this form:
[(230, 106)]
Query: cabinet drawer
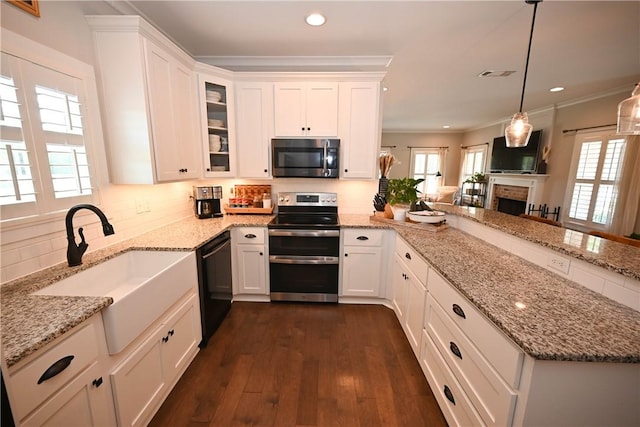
[(411, 258), (502, 354), (363, 237), (249, 235), (28, 394), (454, 403), (491, 397)]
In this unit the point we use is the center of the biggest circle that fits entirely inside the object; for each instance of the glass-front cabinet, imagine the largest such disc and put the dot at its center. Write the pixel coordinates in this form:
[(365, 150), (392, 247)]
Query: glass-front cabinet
[(216, 99)]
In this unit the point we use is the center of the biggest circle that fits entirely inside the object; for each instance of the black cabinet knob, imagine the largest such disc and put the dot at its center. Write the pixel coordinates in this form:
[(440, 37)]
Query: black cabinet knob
[(265, 171), (97, 382), (407, 255), (165, 339), (346, 170)]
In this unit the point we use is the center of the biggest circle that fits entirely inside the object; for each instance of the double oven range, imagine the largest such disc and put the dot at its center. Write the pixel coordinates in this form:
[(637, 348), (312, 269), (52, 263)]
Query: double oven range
[(304, 248)]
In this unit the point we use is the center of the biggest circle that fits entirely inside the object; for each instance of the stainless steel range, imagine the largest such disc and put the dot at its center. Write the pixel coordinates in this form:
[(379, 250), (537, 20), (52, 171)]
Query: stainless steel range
[(304, 248)]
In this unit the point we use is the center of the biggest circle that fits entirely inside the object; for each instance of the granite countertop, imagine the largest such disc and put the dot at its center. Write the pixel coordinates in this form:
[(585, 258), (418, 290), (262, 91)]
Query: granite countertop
[(562, 320), (29, 322)]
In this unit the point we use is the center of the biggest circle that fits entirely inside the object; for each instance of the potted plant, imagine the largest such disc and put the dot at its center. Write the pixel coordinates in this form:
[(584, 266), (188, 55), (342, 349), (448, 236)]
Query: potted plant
[(401, 192)]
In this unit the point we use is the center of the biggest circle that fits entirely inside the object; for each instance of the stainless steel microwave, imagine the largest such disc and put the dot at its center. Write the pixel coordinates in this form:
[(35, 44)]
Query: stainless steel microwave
[(305, 158)]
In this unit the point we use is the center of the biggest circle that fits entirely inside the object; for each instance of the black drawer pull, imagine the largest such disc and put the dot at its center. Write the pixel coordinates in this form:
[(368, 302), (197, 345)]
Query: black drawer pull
[(97, 382), (407, 256), (447, 392), (362, 238), (454, 349), (250, 236), (459, 311), (165, 339), (56, 368), (171, 332)]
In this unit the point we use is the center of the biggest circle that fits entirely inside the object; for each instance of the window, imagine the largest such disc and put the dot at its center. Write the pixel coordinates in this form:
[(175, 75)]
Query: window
[(428, 164), (596, 171), (473, 161), (44, 164)]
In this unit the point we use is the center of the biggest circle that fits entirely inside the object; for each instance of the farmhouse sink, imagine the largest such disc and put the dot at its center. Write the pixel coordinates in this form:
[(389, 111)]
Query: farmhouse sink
[(143, 285)]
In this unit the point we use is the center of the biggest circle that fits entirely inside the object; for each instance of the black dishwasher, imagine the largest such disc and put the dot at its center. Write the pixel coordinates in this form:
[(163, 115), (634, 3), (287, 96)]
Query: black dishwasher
[(214, 280)]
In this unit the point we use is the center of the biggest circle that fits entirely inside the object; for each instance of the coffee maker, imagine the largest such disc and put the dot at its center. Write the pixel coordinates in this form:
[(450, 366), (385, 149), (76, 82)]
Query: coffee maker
[(207, 201)]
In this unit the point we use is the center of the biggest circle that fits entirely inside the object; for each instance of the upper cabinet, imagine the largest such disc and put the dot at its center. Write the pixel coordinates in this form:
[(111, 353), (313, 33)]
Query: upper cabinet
[(254, 128), (217, 122), (360, 129), (149, 102), (306, 109)]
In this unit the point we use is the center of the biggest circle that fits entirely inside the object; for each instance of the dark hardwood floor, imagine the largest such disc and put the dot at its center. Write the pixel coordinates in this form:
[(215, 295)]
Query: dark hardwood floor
[(283, 364)]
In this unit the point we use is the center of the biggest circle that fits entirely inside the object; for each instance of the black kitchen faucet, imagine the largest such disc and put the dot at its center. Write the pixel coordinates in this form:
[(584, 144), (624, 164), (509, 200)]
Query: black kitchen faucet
[(74, 253)]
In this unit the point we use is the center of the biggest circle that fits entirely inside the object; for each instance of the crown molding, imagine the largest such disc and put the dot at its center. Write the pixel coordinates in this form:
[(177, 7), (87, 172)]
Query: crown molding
[(298, 63)]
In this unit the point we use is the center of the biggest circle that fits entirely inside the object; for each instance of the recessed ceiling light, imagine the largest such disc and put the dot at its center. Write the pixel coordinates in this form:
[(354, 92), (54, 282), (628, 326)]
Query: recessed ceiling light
[(385, 89), (315, 19), (446, 126), (556, 89)]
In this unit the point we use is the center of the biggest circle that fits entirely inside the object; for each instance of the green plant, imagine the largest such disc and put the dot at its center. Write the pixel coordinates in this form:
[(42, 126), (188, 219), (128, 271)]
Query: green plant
[(477, 177), (402, 190)]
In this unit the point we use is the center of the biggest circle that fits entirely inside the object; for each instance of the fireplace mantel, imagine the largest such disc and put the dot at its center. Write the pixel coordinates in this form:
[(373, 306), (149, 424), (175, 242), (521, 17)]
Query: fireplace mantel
[(534, 182)]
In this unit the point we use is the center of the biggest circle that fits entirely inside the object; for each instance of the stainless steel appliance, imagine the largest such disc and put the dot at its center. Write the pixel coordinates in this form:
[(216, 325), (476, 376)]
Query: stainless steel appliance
[(214, 280), (304, 248), (207, 201), (305, 158)]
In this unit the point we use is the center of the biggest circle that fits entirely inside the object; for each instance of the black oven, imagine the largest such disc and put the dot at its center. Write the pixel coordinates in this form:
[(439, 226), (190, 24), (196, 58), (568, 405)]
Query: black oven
[(304, 248), (305, 158)]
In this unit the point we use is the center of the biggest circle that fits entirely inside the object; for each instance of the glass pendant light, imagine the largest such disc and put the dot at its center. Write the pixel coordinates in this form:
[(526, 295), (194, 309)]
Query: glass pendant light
[(518, 132), (629, 114)]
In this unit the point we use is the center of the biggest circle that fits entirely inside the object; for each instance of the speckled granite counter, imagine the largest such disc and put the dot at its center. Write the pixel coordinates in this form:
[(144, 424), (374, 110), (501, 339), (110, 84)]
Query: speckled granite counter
[(561, 321), (29, 322)]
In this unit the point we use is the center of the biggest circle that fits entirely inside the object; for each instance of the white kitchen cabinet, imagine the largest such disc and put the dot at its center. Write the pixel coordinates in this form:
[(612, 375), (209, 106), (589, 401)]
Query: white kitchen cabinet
[(149, 102), (306, 109), (363, 266), (145, 377), (360, 129), (78, 394), (250, 264), (217, 121), (254, 128), (409, 292)]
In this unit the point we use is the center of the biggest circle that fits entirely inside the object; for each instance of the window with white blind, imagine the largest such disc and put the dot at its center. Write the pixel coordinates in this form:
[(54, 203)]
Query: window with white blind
[(596, 171), (427, 164), (44, 165)]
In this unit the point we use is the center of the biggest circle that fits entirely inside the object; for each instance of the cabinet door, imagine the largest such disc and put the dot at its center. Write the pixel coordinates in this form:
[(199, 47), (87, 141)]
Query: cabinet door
[(414, 315), (171, 104), (251, 263), (138, 383), (254, 128), (180, 340), (322, 109), (362, 269), (289, 109), (400, 288), (217, 125), (359, 129)]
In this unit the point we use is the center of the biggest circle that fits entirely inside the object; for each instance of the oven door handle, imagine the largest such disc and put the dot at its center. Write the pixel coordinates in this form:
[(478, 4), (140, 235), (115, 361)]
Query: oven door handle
[(304, 233), (292, 259)]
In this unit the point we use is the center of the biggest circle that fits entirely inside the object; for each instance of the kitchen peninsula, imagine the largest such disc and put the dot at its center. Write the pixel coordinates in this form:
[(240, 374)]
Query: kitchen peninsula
[(556, 320)]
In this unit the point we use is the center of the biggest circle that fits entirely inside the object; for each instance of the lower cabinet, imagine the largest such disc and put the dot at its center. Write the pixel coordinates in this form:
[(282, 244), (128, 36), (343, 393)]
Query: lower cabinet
[(250, 263), (409, 292), (65, 383), (363, 269), (143, 380)]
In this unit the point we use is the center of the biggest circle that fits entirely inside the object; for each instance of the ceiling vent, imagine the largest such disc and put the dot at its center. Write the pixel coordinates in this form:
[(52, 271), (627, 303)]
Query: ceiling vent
[(494, 73)]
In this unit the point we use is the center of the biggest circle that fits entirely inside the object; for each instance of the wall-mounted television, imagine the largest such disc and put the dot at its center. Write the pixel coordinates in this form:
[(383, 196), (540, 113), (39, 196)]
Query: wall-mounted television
[(516, 160)]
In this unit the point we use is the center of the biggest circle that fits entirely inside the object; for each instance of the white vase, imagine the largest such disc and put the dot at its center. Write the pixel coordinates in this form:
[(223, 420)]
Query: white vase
[(399, 213)]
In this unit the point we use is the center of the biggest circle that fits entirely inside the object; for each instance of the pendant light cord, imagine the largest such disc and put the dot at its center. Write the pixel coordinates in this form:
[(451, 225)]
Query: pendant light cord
[(526, 67)]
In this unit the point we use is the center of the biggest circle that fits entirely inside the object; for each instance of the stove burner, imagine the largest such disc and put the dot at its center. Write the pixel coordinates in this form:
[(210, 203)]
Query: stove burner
[(306, 211)]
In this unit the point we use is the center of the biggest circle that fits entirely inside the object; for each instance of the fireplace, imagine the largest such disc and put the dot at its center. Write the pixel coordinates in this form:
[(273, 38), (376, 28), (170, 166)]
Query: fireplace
[(511, 206), (519, 190)]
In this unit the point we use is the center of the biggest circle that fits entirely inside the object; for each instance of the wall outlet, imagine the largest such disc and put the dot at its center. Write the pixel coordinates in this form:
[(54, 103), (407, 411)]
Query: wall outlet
[(559, 263), (142, 206)]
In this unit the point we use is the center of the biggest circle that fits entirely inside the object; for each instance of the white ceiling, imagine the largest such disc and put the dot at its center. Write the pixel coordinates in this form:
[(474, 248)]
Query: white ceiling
[(438, 49)]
